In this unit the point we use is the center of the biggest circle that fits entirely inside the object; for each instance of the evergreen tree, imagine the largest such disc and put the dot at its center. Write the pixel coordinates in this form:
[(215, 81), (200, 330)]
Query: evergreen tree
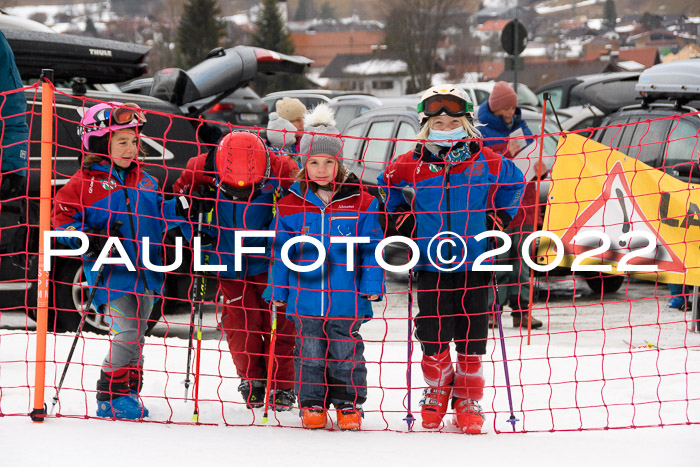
[(650, 20), (306, 10), (199, 31), (90, 28), (272, 34), (609, 15), (327, 11)]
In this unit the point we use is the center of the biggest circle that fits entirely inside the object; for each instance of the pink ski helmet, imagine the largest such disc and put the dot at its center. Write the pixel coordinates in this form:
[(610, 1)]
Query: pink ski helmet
[(100, 119)]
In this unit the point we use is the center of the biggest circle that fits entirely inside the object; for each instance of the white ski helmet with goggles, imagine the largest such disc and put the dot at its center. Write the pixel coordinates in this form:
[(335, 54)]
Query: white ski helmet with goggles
[(100, 119), (444, 99)]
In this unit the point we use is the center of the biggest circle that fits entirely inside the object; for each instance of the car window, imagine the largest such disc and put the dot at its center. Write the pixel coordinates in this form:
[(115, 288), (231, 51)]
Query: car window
[(406, 131), (343, 115), (574, 100), (555, 94), (683, 143), (526, 96), (612, 135), (351, 145), (481, 96), (648, 140), (375, 153)]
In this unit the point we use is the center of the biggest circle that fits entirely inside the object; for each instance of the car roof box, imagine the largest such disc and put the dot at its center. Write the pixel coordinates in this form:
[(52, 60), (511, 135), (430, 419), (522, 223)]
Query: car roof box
[(96, 60), (678, 79), (222, 72)]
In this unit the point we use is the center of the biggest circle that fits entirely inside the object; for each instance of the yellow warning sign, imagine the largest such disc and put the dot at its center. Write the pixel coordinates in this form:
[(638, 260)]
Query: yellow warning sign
[(609, 209)]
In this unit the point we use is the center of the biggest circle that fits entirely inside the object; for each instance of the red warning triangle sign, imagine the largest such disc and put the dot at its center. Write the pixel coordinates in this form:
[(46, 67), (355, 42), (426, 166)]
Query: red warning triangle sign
[(615, 212)]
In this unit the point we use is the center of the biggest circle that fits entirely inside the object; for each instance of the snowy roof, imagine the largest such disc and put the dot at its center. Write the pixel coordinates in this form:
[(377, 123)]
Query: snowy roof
[(344, 65), (377, 67), (631, 65)]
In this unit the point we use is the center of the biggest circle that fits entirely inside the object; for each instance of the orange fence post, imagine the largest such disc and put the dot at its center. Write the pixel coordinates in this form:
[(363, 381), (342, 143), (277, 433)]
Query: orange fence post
[(42, 299)]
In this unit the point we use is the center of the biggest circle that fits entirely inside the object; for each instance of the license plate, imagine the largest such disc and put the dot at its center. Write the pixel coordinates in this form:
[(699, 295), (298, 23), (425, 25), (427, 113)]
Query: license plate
[(250, 117)]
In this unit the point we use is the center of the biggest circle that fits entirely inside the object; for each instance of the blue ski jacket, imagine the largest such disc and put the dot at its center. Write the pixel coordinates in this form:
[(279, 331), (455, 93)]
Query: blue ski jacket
[(450, 197), (330, 289)]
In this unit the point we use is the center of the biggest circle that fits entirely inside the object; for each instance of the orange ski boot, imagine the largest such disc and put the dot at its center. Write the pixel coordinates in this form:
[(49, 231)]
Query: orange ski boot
[(349, 417), (313, 418)]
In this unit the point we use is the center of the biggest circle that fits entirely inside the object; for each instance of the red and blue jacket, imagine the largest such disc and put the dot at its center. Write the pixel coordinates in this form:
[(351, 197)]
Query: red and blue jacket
[(95, 198), (450, 197), (330, 289), (230, 215)]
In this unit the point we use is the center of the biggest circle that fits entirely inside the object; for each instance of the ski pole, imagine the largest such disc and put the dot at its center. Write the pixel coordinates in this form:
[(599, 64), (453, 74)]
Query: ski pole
[(200, 311), (117, 225), (270, 360), (409, 419), (195, 291), (497, 307)]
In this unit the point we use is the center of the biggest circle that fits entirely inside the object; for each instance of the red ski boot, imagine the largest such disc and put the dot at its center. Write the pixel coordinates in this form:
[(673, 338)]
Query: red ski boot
[(433, 406), (468, 416)]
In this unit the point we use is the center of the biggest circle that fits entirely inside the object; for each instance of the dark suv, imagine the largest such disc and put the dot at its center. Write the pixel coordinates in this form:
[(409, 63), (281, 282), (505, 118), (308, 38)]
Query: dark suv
[(664, 130), (169, 143)]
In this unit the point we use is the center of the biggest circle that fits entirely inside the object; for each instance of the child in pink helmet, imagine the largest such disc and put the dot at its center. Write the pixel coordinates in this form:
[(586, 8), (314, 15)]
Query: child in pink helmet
[(111, 196)]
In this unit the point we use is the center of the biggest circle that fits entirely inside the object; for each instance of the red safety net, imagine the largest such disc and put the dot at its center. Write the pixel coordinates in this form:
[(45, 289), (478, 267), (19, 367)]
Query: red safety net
[(604, 350)]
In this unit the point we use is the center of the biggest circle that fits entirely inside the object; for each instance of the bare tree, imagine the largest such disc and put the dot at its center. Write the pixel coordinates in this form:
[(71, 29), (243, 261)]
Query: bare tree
[(413, 30)]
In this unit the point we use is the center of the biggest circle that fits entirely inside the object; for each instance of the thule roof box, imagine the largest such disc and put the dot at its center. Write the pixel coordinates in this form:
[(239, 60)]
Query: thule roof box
[(96, 60), (678, 80)]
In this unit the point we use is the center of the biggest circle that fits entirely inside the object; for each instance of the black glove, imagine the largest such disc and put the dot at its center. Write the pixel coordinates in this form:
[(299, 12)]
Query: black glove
[(207, 133), (98, 238), (498, 220), (405, 222)]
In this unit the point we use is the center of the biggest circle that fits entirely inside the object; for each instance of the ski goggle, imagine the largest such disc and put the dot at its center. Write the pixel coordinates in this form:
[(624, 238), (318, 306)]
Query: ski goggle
[(445, 103), (123, 115)]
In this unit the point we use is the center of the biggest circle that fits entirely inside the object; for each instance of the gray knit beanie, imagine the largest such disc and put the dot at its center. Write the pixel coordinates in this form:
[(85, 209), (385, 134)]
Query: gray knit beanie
[(276, 134), (321, 136)]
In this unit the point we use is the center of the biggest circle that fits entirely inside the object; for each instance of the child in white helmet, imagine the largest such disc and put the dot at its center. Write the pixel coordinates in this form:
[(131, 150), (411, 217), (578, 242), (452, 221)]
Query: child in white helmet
[(455, 181)]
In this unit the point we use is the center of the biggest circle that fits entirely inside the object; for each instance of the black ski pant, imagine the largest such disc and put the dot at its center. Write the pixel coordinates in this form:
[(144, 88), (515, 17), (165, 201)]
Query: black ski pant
[(453, 306)]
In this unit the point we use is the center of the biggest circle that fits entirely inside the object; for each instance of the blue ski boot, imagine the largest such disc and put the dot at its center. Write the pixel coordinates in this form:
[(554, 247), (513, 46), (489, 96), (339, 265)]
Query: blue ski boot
[(121, 408)]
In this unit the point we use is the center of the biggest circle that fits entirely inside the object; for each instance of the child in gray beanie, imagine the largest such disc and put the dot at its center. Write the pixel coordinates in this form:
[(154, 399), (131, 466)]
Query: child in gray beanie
[(322, 139), (328, 202)]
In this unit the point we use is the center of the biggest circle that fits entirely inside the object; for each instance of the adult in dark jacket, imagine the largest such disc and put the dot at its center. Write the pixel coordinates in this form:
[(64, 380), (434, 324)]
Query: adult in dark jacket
[(245, 180), (464, 189), (505, 131)]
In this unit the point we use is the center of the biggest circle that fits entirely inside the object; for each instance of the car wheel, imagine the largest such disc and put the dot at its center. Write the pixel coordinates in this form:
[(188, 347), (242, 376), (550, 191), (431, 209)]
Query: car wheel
[(70, 297), (605, 283)]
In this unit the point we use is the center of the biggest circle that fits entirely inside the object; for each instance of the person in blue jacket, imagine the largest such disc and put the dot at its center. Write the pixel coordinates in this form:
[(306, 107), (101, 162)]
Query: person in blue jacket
[(506, 133), (461, 190), (111, 196), (13, 125), (243, 180), (329, 302)]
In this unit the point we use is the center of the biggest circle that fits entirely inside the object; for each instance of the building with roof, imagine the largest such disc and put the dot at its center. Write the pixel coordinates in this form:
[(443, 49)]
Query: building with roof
[(375, 73), (322, 47)]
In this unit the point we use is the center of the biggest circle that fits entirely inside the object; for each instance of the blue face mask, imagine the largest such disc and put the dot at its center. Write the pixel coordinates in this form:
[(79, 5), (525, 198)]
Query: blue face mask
[(439, 137)]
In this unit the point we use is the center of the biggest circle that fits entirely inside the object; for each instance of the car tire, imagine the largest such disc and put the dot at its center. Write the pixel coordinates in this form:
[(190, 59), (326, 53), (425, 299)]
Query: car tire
[(70, 292), (604, 283)]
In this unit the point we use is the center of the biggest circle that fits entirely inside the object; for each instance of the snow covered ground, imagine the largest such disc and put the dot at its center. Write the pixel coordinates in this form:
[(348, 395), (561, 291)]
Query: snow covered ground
[(584, 372)]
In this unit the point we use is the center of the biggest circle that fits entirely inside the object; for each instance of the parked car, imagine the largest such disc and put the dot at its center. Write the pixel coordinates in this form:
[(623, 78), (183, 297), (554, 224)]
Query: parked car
[(309, 97), (480, 93), (378, 135), (169, 143), (242, 108), (662, 131), (607, 91)]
